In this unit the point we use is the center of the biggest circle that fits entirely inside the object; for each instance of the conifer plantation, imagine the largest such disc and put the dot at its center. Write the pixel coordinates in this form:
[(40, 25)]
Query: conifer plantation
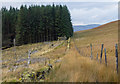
[(35, 24)]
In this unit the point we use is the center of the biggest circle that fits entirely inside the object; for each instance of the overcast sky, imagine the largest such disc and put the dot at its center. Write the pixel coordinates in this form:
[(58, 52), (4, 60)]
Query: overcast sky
[(82, 12)]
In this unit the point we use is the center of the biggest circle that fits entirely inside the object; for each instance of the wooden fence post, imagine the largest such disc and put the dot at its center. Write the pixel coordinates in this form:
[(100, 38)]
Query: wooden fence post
[(91, 52), (29, 52), (97, 57), (14, 49), (101, 53), (105, 57), (116, 53), (14, 46)]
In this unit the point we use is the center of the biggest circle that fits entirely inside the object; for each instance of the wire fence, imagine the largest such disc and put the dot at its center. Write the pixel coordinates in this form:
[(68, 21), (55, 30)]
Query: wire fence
[(100, 53)]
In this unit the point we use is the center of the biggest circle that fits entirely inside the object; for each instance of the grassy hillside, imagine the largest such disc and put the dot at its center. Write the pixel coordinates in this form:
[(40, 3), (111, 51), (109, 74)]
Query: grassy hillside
[(42, 54), (72, 66), (78, 68)]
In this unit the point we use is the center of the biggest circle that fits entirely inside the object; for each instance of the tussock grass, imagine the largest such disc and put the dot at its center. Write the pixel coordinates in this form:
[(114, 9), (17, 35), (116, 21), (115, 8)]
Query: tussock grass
[(74, 67), (78, 68), (8, 54)]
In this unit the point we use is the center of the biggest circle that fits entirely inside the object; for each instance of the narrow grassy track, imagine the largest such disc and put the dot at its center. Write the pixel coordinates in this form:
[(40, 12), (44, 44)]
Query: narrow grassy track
[(77, 68), (73, 66)]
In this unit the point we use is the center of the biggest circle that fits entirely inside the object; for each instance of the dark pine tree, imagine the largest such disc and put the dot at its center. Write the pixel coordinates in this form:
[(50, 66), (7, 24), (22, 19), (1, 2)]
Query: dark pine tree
[(35, 24)]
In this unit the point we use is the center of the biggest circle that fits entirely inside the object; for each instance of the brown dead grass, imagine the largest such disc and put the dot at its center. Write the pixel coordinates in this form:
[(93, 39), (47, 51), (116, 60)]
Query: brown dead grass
[(12, 76), (106, 34), (74, 67), (77, 68)]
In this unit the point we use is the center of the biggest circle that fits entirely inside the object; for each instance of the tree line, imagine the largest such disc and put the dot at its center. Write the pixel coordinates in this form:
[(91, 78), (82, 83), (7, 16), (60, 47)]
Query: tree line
[(35, 24)]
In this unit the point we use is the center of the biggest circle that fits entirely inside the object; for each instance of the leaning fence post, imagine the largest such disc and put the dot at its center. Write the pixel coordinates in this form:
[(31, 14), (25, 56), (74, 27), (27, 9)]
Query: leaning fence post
[(101, 53), (105, 57), (116, 53), (91, 51), (29, 52)]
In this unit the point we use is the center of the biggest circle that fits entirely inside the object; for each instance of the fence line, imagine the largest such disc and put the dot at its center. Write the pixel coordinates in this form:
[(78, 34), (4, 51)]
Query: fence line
[(93, 51)]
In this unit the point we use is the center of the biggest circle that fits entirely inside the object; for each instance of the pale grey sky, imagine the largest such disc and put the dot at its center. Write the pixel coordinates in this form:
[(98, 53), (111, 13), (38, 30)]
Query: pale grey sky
[(87, 12)]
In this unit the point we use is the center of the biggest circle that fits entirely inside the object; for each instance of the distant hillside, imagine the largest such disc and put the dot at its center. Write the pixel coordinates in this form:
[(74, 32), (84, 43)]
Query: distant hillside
[(84, 27)]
